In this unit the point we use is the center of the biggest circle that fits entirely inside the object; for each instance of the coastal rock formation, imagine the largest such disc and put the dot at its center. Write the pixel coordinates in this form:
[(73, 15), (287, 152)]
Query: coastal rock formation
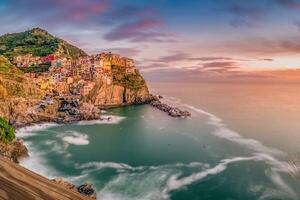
[(21, 111), (125, 89), (14, 150), (87, 189), (84, 189), (170, 110), (117, 95)]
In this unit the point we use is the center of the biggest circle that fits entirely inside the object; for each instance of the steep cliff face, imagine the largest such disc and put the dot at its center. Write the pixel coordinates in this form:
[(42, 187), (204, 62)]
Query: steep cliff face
[(125, 89), (21, 111)]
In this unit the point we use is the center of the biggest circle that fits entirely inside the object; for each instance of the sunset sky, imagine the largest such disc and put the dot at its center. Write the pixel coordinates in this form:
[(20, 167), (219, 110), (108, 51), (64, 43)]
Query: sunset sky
[(175, 39)]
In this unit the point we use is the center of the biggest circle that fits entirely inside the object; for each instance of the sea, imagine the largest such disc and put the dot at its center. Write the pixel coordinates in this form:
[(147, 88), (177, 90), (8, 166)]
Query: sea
[(239, 144)]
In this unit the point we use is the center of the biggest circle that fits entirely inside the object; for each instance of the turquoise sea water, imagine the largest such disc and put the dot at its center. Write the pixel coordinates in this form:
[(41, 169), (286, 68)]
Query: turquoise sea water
[(224, 151)]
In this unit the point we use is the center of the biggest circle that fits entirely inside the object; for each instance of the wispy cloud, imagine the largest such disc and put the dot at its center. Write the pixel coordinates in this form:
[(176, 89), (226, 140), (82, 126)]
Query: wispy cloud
[(246, 15), (292, 4), (142, 30)]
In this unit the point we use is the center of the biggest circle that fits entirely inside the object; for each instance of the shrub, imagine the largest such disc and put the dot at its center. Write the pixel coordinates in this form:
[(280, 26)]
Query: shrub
[(7, 132)]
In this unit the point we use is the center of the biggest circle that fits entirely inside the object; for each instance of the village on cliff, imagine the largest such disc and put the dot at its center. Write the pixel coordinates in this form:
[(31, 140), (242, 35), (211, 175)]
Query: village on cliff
[(73, 76)]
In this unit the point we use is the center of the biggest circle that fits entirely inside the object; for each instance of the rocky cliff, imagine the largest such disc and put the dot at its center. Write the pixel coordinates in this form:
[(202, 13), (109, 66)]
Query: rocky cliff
[(125, 89)]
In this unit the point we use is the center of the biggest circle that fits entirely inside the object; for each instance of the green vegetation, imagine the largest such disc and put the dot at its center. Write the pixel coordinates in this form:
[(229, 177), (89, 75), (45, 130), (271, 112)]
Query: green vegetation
[(7, 68), (44, 67), (133, 81), (13, 83), (37, 42), (7, 132)]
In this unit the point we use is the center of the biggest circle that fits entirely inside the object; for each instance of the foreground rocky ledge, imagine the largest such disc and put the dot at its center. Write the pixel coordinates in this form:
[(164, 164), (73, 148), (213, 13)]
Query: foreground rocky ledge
[(19, 183), (170, 110)]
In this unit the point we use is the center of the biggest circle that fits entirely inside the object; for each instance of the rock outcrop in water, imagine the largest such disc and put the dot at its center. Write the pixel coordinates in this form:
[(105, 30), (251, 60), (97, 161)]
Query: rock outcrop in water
[(170, 110)]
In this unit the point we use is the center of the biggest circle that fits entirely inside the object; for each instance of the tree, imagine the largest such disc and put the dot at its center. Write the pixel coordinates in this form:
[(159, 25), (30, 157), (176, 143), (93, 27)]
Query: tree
[(7, 132)]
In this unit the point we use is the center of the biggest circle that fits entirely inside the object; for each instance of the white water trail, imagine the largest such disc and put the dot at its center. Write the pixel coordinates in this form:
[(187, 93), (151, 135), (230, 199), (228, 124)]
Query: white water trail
[(31, 130), (105, 119), (263, 153), (76, 138), (174, 183)]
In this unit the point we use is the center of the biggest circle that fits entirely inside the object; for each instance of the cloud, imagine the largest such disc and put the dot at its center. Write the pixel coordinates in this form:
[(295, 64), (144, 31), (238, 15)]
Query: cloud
[(297, 24), (142, 30), (254, 13), (134, 30), (220, 66), (177, 56), (266, 59), (260, 46), (292, 4), (183, 56), (245, 15), (214, 58)]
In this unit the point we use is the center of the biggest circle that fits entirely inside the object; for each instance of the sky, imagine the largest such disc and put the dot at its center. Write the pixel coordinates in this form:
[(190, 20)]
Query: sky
[(189, 40)]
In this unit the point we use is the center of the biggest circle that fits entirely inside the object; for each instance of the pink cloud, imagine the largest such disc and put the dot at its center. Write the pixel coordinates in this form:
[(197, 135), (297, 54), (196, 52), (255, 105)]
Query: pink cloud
[(141, 30)]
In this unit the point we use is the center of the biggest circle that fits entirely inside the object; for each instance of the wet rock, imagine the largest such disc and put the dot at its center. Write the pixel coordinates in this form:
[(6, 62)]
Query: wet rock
[(14, 150), (170, 110), (87, 189), (84, 189)]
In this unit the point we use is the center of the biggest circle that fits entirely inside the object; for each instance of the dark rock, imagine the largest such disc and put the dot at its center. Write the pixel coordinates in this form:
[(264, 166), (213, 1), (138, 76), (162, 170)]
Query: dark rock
[(87, 189), (172, 111)]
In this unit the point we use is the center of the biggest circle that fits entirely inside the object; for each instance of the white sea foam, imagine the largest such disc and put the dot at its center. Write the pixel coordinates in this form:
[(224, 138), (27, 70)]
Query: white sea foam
[(287, 191), (32, 129), (263, 153), (37, 163), (76, 138), (103, 165), (92, 166), (106, 119), (223, 131), (174, 183), (136, 186)]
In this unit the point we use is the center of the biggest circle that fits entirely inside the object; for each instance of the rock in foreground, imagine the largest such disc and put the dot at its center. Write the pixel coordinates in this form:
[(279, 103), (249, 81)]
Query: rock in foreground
[(19, 183), (85, 189)]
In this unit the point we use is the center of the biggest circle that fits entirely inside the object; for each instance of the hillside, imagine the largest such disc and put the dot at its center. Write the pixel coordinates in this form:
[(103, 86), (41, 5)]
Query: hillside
[(37, 42), (13, 83), (35, 63)]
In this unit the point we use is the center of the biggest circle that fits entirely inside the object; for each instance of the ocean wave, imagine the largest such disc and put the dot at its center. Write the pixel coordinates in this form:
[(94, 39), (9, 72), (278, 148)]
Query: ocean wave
[(261, 152), (223, 132), (31, 130), (286, 191), (136, 186), (37, 163), (158, 182), (174, 183), (105, 119), (91, 166), (76, 138)]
